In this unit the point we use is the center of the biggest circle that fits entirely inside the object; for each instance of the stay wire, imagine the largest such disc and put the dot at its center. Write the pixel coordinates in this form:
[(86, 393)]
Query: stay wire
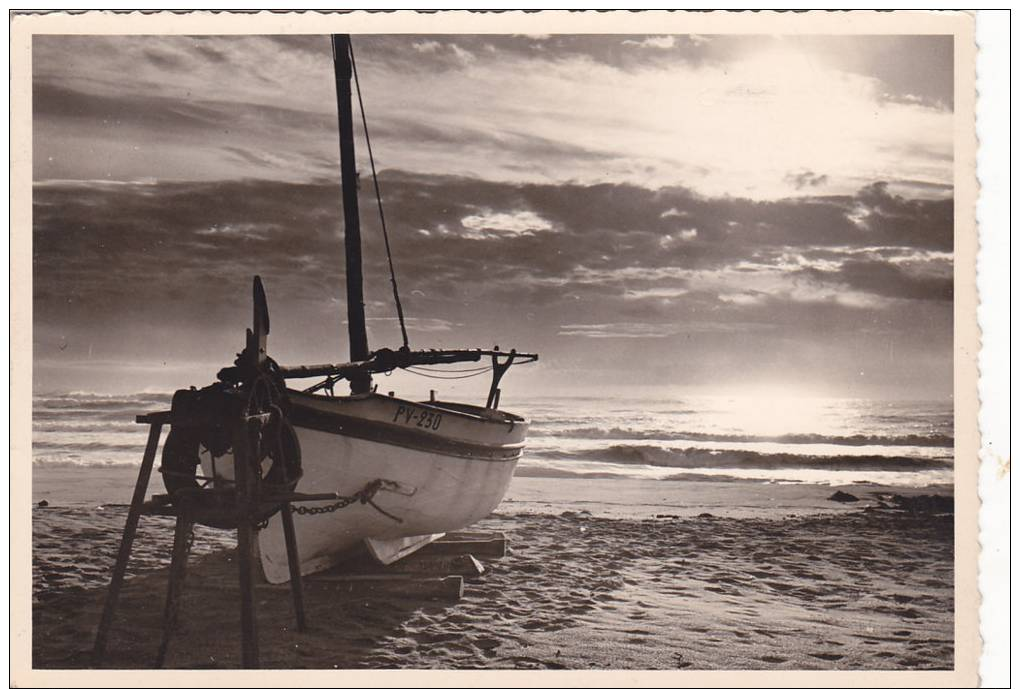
[(378, 198)]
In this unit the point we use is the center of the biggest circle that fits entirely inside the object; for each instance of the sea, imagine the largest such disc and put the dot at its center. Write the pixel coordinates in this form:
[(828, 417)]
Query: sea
[(830, 441), (86, 448)]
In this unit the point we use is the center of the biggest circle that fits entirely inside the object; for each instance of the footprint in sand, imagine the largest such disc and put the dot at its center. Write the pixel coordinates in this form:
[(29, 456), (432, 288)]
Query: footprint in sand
[(486, 643)]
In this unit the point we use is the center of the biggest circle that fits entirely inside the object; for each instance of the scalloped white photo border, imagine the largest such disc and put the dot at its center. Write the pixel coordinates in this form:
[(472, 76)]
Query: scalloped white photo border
[(993, 215)]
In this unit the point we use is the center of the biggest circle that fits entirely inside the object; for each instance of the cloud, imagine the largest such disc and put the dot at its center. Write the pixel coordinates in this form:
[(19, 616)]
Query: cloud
[(744, 298), (426, 46), (731, 115), (487, 223), (162, 271), (890, 280), (602, 331), (684, 235), (134, 136), (421, 325), (805, 178), (627, 330), (531, 242), (659, 42), (672, 213)]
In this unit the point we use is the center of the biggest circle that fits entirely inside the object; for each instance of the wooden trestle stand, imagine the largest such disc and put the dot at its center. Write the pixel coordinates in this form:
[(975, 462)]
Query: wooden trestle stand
[(188, 506)]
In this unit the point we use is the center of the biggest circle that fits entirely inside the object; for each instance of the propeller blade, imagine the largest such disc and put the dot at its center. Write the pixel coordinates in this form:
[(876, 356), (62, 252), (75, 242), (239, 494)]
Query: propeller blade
[(260, 322), (261, 316)]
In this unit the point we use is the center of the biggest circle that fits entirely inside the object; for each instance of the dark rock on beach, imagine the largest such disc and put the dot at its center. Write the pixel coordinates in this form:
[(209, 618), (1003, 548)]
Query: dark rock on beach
[(840, 496), (924, 504)]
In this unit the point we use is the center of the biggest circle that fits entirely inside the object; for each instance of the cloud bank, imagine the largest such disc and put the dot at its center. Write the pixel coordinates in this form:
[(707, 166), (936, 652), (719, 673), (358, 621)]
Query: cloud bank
[(574, 271), (756, 117)]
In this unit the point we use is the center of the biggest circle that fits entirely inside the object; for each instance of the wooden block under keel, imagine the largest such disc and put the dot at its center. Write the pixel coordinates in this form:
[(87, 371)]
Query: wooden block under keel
[(479, 544), (465, 565)]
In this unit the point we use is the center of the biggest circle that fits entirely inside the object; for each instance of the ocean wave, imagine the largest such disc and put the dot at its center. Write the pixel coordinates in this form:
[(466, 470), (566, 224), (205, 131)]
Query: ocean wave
[(87, 425), (526, 471), (858, 440), (690, 458), (76, 461), (90, 446), (93, 401), (122, 415)]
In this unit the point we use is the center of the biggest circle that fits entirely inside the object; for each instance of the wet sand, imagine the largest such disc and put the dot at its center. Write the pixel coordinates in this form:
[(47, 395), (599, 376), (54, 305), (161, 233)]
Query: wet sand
[(600, 574)]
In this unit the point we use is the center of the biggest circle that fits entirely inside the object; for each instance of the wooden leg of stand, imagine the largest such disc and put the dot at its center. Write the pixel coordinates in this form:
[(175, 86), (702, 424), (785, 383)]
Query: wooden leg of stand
[(294, 562), (249, 629), (175, 586), (126, 542), (245, 548)]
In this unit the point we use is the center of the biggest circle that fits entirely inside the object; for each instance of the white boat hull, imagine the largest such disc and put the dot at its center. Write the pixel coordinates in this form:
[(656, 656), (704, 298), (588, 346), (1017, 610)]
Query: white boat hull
[(452, 467)]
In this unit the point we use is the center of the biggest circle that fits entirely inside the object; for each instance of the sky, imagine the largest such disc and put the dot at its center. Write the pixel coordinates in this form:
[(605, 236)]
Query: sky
[(646, 212)]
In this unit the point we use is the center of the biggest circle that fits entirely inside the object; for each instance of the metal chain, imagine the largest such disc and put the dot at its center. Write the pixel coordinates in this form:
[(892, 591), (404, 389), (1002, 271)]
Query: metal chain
[(343, 502), (364, 496)]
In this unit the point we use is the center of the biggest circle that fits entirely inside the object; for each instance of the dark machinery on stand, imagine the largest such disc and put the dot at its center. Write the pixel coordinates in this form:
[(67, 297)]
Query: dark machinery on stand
[(242, 419)]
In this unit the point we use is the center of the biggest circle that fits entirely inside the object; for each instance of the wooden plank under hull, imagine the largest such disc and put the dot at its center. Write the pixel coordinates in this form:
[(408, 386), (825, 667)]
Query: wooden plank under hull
[(451, 472)]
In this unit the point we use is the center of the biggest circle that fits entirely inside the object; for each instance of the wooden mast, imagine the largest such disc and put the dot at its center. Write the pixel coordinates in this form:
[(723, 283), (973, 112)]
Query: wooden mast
[(352, 228)]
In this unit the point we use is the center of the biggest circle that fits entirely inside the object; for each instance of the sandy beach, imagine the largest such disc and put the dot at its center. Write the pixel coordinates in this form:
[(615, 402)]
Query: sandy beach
[(599, 574)]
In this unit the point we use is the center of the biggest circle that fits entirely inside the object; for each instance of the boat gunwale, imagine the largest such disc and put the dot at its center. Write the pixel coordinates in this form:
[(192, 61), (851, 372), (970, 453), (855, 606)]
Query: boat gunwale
[(505, 418), (335, 422)]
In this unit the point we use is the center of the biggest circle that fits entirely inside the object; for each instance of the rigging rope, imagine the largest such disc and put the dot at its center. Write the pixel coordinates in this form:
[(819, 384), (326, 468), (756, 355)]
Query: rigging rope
[(441, 374), (378, 198), (441, 377), (451, 370)]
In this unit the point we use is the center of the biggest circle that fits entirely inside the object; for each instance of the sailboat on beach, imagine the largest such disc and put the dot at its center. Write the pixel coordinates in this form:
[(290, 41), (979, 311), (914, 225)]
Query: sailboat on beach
[(388, 472)]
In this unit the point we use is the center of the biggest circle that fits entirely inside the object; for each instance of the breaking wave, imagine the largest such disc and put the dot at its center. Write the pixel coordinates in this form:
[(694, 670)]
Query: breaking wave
[(858, 440), (694, 458), (93, 402)]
